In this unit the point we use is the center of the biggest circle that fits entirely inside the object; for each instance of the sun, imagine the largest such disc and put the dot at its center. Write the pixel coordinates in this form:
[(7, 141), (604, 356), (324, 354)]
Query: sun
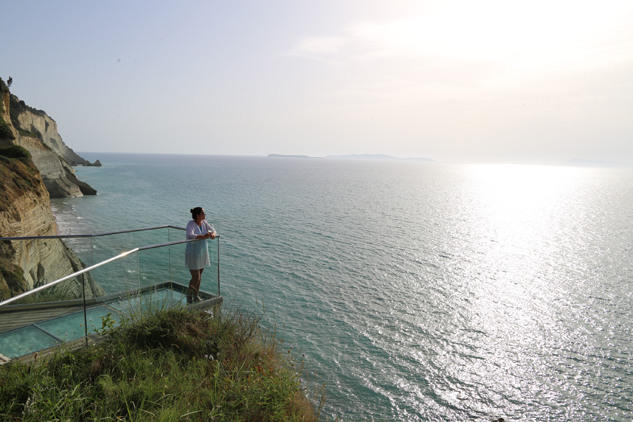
[(519, 34)]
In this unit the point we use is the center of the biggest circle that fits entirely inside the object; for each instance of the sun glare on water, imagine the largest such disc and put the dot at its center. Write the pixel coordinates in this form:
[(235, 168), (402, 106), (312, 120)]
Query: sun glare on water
[(518, 213)]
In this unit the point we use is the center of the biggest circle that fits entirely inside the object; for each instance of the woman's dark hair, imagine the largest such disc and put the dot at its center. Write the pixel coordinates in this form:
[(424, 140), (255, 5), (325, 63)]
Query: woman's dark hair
[(195, 212)]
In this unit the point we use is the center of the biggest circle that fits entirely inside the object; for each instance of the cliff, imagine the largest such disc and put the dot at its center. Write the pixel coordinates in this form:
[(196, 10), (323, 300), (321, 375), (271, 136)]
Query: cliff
[(25, 210), (37, 132)]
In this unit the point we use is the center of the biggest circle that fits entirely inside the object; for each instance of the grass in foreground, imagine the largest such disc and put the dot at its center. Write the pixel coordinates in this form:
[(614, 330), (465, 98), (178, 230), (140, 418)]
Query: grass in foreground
[(173, 365)]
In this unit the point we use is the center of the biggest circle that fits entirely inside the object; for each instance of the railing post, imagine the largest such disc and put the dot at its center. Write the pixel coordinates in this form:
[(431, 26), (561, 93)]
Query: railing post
[(219, 267), (169, 240), (83, 288), (138, 268)]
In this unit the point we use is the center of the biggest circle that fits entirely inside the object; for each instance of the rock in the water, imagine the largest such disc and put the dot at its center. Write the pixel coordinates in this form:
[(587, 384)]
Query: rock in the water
[(85, 188)]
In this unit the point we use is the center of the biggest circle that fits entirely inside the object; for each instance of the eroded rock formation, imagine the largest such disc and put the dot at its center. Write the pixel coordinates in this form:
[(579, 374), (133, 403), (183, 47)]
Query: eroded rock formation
[(25, 210)]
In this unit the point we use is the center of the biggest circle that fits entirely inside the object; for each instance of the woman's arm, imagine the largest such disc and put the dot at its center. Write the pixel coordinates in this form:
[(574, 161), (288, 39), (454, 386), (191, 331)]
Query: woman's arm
[(191, 230)]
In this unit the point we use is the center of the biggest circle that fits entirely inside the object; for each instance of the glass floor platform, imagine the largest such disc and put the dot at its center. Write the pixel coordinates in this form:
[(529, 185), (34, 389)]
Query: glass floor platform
[(51, 331)]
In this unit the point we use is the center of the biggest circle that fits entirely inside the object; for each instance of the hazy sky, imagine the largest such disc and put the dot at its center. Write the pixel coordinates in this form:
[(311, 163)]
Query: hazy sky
[(486, 80)]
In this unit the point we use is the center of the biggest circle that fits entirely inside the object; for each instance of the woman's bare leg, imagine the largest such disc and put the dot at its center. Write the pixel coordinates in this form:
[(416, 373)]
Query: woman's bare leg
[(194, 285), (199, 282)]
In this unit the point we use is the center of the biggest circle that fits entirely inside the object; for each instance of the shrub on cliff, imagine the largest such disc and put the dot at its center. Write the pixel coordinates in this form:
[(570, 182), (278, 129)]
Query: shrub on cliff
[(11, 279), (5, 130), (15, 151)]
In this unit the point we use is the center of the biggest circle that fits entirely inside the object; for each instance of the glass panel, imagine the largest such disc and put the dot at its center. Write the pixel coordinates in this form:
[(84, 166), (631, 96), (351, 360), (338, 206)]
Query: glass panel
[(178, 273), (118, 276), (154, 265), (25, 340), (44, 261), (127, 287), (82, 247), (71, 327), (106, 247), (149, 300), (64, 294), (209, 282)]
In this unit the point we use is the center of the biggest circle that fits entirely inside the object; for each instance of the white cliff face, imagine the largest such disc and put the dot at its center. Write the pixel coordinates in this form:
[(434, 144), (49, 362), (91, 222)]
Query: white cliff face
[(53, 169), (47, 127), (40, 137)]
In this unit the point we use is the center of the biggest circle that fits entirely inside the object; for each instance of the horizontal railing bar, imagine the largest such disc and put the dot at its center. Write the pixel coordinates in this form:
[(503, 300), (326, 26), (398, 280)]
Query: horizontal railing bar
[(107, 261), (65, 236)]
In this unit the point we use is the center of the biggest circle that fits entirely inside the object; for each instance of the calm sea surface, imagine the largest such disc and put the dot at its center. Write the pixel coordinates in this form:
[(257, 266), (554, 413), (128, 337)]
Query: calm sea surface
[(418, 292)]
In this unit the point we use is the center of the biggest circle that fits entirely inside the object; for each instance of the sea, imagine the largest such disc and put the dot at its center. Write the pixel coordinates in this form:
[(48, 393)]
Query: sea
[(416, 291)]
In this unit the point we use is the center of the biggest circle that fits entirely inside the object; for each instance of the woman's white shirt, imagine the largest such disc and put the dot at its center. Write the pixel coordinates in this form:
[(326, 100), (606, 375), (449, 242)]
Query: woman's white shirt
[(194, 231)]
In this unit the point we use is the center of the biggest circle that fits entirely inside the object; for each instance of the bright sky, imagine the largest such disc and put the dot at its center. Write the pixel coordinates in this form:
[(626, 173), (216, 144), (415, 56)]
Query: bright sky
[(458, 80)]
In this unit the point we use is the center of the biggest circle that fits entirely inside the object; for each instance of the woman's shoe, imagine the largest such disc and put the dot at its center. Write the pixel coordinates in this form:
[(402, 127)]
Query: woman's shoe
[(197, 299)]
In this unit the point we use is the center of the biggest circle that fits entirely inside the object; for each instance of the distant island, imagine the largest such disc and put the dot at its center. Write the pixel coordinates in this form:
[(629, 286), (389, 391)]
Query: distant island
[(356, 157)]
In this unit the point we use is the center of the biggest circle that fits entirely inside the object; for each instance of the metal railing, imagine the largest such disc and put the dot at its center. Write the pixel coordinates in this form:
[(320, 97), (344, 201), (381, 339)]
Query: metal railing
[(89, 270), (67, 236)]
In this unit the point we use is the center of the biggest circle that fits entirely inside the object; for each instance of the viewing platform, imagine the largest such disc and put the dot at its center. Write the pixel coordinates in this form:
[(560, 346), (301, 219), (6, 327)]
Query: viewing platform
[(72, 309)]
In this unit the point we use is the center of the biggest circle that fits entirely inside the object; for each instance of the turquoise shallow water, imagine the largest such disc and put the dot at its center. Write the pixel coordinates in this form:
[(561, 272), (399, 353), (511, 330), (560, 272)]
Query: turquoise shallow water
[(417, 291)]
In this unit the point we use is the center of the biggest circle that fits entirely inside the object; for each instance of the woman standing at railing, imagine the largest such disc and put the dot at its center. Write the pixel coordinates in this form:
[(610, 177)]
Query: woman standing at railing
[(197, 253)]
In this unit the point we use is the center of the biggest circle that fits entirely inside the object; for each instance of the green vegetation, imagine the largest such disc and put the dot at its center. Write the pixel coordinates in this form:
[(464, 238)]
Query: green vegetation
[(11, 279), (5, 130), (15, 151), (174, 365), (17, 107), (11, 271), (36, 135), (11, 275)]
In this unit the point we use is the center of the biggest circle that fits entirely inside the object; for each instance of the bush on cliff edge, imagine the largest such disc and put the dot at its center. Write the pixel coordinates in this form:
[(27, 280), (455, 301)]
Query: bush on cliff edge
[(16, 151)]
